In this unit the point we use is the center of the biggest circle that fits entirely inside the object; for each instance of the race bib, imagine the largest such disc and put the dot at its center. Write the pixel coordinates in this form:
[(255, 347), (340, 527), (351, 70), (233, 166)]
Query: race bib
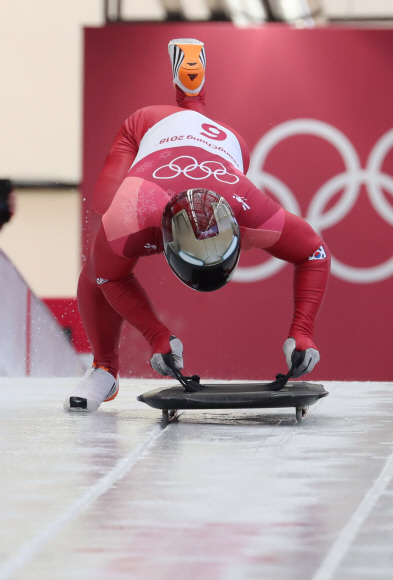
[(191, 129)]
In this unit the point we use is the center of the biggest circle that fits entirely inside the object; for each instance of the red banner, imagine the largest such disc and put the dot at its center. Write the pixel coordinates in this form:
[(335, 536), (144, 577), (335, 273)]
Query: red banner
[(315, 108)]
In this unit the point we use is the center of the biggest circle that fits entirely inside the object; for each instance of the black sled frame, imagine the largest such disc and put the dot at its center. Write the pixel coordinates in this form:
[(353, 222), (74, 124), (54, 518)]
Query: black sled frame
[(194, 395)]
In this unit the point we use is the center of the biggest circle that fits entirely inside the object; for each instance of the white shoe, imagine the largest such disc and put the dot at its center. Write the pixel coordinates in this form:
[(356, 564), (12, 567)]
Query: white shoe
[(188, 61), (97, 386)]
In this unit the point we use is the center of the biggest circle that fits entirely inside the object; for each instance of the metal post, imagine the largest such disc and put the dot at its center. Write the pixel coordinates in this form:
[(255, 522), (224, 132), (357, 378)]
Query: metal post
[(112, 11)]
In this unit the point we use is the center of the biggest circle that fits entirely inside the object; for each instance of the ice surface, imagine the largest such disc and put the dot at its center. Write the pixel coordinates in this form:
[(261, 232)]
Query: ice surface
[(223, 495)]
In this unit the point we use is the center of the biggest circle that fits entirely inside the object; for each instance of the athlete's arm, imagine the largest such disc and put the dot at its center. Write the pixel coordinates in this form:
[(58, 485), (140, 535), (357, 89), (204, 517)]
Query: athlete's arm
[(292, 239), (126, 295), (299, 244)]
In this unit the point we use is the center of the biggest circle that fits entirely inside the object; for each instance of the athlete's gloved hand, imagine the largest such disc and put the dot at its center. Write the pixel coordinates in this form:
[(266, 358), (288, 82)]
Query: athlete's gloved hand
[(157, 360), (306, 360)]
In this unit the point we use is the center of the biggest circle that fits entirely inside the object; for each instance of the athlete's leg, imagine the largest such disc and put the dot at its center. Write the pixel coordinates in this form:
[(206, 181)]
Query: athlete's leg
[(131, 228), (101, 322), (188, 62), (102, 325), (195, 103)]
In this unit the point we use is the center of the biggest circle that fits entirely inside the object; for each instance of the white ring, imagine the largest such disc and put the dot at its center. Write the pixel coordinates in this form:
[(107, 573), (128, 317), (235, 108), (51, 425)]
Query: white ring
[(204, 166), (350, 180)]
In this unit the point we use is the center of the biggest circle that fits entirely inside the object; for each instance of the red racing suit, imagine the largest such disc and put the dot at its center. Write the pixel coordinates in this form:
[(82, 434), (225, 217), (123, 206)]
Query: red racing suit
[(159, 152)]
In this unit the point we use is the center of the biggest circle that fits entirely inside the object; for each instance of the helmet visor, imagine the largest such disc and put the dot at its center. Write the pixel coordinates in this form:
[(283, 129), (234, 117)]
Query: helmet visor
[(205, 278), (201, 239)]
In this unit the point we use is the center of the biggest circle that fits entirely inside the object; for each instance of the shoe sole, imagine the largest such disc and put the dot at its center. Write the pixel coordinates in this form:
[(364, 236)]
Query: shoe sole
[(80, 404)]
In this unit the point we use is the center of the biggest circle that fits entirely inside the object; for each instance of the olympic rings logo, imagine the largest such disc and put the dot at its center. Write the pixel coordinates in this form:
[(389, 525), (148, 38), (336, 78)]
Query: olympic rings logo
[(319, 218), (218, 173)]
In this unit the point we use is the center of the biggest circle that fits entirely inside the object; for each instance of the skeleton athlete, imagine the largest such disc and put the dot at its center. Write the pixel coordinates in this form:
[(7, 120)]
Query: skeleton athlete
[(174, 182)]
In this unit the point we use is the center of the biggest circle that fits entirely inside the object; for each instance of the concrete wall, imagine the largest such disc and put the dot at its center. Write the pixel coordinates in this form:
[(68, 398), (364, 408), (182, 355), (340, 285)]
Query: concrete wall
[(43, 240), (41, 45), (31, 341)]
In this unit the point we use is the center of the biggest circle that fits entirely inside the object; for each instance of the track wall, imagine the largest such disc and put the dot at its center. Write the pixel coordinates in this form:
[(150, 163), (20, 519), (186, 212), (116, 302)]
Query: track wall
[(31, 341)]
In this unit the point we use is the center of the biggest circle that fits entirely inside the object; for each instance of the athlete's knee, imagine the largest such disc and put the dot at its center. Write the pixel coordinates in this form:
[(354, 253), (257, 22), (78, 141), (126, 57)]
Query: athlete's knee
[(107, 264)]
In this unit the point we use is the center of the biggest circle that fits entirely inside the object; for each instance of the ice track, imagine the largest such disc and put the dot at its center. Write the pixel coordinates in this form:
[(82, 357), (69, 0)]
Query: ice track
[(218, 495)]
